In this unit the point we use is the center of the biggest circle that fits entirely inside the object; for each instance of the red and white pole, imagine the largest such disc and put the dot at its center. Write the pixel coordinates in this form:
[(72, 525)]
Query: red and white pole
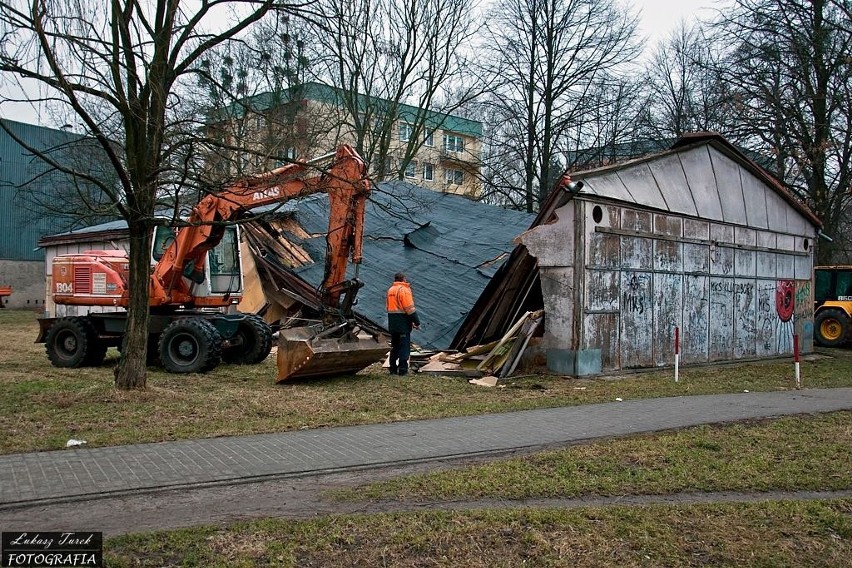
[(677, 353), (796, 360)]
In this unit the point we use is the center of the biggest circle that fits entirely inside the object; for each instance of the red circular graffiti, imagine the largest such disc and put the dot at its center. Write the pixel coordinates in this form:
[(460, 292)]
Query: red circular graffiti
[(784, 299)]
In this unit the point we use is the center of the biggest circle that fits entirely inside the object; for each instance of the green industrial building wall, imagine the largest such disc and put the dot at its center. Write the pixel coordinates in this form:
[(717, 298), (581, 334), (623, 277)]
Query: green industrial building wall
[(23, 175)]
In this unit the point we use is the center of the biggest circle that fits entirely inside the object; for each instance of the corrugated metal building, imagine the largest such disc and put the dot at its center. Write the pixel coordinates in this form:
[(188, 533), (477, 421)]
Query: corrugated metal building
[(25, 183), (697, 238)]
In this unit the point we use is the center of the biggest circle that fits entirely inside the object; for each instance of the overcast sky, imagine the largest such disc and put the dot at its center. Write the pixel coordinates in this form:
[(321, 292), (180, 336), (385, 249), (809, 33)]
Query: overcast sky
[(658, 18)]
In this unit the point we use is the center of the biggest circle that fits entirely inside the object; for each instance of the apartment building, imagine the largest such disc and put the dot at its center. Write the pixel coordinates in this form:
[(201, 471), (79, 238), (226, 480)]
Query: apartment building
[(439, 151)]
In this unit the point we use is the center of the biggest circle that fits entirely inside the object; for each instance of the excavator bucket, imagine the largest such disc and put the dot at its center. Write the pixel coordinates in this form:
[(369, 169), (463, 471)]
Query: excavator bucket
[(302, 355)]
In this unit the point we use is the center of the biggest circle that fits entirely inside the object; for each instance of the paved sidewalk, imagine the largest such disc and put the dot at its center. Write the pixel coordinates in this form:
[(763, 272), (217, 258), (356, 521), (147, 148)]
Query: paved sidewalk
[(49, 477)]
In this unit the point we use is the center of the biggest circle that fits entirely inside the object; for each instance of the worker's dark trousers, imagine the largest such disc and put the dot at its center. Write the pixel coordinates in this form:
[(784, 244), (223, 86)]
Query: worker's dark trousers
[(399, 353)]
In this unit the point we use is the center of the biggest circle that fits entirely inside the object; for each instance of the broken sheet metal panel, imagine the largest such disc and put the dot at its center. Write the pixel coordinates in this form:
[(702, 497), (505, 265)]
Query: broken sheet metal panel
[(552, 244)]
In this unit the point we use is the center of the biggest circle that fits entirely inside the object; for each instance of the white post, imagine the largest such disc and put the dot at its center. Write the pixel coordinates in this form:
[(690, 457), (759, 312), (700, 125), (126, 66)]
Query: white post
[(677, 353), (796, 361)]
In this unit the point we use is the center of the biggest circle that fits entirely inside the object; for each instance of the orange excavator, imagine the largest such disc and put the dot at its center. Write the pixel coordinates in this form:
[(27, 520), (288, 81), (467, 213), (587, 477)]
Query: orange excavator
[(197, 280)]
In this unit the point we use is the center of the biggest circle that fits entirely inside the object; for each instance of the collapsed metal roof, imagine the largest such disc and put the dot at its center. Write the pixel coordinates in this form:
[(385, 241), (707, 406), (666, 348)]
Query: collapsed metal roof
[(448, 246)]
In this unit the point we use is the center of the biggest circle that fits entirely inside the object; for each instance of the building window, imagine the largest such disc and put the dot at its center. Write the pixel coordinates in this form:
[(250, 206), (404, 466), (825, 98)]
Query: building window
[(291, 153), (453, 143), (454, 177), (404, 132), (411, 169), (428, 171), (429, 139)]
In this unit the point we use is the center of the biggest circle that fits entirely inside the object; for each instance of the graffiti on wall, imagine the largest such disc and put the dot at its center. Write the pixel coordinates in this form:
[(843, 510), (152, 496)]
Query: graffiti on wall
[(784, 300), (636, 294), (785, 303), (803, 313)]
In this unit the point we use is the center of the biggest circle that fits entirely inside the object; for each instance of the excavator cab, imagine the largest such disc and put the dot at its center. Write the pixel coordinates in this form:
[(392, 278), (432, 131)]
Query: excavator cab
[(221, 274)]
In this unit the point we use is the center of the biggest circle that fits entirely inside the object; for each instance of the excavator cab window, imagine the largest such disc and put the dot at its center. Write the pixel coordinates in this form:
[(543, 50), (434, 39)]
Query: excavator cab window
[(224, 262), (822, 286), (163, 239), (844, 284)]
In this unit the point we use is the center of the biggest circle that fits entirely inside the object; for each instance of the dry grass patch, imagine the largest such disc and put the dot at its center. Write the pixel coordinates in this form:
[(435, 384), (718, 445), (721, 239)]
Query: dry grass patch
[(816, 534), (43, 406)]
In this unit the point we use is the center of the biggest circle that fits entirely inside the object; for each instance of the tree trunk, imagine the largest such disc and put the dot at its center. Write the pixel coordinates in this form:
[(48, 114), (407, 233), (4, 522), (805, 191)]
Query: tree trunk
[(131, 372)]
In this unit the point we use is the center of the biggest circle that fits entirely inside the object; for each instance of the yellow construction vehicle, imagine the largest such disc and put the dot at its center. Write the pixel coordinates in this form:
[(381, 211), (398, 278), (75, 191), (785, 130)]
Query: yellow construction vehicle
[(832, 305)]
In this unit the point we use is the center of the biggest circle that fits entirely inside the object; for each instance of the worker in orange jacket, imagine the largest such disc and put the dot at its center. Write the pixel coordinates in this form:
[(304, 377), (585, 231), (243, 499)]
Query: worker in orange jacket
[(402, 318)]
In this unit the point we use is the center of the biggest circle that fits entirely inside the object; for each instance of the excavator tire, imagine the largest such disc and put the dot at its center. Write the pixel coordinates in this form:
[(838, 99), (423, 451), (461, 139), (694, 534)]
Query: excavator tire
[(72, 342), (832, 328), (253, 342), (190, 345)]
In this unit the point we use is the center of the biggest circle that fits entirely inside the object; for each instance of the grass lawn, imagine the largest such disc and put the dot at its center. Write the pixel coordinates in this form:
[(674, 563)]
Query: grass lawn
[(43, 406), (793, 453), (769, 535)]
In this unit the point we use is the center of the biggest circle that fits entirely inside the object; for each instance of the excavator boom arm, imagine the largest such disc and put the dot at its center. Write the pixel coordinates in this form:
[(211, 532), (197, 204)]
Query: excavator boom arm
[(346, 183)]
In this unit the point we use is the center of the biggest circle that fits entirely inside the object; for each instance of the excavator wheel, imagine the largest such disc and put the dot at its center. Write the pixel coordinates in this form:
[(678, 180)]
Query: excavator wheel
[(190, 345), (72, 342), (252, 342), (832, 328)]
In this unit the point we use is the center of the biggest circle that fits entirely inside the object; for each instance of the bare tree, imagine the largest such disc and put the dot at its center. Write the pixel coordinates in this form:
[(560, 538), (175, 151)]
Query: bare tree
[(787, 63), (255, 89), (118, 67), (683, 93), (549, 55), (391, 61)]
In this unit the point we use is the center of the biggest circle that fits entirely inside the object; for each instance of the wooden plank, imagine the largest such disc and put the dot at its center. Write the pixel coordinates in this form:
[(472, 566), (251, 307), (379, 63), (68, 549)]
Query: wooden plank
[(254, 299)]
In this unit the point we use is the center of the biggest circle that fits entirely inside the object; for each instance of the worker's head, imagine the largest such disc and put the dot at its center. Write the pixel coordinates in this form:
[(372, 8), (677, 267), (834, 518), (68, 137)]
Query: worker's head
[(399, 277)]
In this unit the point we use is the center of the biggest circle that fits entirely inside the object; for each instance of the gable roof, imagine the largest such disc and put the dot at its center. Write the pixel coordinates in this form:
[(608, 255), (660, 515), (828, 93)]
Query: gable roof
[(701, 175)]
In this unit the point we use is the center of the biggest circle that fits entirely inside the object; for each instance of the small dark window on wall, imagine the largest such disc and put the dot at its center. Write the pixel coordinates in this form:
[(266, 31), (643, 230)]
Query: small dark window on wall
[(597, 214), (806, 244)]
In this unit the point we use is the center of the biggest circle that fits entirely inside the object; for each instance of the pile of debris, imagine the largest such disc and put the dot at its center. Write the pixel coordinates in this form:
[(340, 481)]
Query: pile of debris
[(492, 361)]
